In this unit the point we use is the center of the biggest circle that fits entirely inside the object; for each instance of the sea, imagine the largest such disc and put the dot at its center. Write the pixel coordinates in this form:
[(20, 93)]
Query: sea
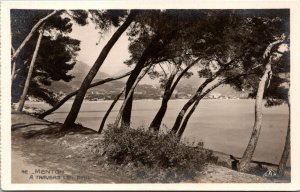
[(223, 125)]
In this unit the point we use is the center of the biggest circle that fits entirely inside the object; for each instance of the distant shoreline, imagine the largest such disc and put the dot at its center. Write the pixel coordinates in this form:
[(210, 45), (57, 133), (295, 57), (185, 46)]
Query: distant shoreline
[(110, 100)]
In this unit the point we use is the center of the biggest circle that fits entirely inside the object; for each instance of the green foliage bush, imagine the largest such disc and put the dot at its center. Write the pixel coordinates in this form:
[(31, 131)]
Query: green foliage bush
[(141, 147)]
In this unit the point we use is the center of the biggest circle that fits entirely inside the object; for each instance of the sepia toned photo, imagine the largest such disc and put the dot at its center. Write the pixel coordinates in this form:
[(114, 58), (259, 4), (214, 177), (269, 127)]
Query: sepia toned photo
[(149, 96)]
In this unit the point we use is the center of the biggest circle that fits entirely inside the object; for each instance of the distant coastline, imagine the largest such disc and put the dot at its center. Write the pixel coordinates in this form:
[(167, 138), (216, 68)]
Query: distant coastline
[(121, 99)]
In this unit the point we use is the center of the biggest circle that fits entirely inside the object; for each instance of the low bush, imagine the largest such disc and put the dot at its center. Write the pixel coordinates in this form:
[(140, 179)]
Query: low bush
[(143, 148)]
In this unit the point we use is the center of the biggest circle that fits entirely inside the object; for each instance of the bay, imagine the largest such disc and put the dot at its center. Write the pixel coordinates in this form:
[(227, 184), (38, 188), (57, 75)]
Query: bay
[(223, 125)]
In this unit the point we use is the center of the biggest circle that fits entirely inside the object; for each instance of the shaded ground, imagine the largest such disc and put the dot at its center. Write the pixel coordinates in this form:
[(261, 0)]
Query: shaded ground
[(41, 154)]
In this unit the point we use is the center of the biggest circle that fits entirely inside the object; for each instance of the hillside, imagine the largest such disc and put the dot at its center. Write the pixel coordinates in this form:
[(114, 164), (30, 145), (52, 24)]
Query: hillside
[(79, 71), (148, 88)]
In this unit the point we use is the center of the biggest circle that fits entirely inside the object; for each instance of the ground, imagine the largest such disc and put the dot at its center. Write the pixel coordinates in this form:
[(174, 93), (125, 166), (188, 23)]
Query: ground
[(41, 154)]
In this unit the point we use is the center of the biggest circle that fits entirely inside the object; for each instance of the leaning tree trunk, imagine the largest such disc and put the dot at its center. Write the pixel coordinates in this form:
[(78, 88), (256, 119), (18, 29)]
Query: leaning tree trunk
[(126, 116), (247, 156), (188, 105), (13, 70), (70, 120), (30, 71), (181, 114), (183, 126), (67, 97), (287, 146), (118, 118), (34, 28), (156, 122), (109, 110)]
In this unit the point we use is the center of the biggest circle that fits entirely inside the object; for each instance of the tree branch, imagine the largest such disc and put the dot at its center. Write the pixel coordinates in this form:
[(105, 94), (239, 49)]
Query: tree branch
[(118, 118), (34, 28), (163, 69), (67, 97), (182, 73)]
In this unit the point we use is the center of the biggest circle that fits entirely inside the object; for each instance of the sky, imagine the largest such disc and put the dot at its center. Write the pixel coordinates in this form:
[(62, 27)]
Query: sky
[(92, 44)]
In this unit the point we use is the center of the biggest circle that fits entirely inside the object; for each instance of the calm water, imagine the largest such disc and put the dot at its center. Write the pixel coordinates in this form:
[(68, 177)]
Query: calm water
[(223, 125)]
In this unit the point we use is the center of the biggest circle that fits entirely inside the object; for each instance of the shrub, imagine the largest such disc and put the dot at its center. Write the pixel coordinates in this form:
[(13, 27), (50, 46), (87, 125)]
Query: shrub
[(140, 147)]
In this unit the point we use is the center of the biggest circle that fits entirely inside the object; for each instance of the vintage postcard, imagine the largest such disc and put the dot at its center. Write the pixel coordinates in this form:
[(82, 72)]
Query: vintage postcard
[(150, 95)]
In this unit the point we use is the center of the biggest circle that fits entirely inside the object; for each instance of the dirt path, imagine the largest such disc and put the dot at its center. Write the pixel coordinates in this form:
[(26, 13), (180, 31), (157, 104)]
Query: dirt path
[(51, 159), (22, 170)]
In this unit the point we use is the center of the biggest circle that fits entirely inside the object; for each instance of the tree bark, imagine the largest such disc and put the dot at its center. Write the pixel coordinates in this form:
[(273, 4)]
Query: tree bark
[(70, 120), (67, 97), (109, 110), (181, 75), (118, 118), (156, 122), (189, 104), (181, 114), (287, 146), (34, 28), (183, 126), (30, 71), (13, 70), (247, 156), (126, 115)]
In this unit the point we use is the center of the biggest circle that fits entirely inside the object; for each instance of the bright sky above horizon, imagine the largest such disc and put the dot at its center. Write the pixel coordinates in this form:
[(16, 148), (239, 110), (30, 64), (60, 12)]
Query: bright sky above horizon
[(92, 44)]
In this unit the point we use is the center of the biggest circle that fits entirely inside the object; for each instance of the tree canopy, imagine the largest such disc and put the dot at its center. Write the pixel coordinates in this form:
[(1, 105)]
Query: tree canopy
[(57, 54)]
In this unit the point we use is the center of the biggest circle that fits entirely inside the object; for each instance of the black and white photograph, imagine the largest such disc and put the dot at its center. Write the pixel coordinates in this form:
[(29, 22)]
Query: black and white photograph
[(165, 95)]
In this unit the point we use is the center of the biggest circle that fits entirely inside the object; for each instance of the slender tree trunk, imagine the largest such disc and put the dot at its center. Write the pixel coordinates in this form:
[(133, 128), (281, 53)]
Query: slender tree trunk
[(126, 115), (181, 114), (67, 97), (70, 120), (247, 156), (118, 118), (30, 71), (287, 146), (13, 70), (189, 104), (34, 28), (184, 124), (156, 122), (109, 110)]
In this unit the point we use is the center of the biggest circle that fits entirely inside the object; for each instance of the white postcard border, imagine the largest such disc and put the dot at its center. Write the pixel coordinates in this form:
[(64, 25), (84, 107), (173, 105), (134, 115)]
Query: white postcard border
[(294, 7)]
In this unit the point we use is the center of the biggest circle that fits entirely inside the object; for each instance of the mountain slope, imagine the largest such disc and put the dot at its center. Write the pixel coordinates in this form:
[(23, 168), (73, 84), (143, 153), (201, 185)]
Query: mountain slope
[(146, 86), (79, 72)]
